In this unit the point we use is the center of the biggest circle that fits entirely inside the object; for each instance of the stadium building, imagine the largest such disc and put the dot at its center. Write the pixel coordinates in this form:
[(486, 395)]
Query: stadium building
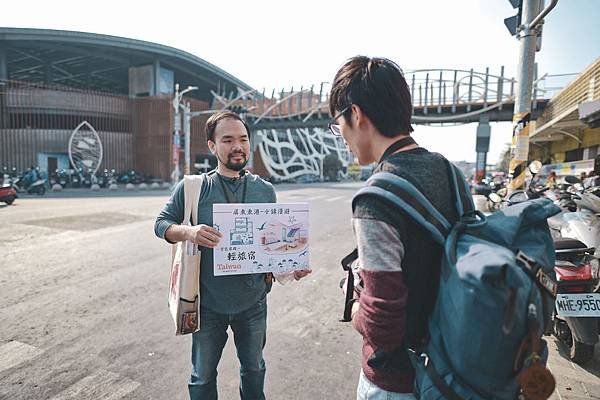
[(52, 81)]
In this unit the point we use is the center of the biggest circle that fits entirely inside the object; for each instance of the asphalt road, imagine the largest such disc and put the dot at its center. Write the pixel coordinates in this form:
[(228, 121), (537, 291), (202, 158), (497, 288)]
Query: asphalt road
[(83, 292)]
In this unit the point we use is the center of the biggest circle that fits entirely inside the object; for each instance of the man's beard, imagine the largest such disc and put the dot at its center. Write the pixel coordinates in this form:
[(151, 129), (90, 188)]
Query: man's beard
[(236, 165)]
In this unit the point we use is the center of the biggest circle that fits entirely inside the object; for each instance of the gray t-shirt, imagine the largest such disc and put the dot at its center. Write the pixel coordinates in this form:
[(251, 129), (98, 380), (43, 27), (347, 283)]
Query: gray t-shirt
[(222, 294)]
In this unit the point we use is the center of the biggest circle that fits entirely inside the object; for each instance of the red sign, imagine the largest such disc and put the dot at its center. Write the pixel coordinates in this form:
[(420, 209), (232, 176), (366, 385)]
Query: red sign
[(175, 154)]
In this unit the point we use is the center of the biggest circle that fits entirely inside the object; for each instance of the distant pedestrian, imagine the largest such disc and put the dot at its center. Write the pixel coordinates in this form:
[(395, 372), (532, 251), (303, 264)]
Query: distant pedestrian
[(551, 181)]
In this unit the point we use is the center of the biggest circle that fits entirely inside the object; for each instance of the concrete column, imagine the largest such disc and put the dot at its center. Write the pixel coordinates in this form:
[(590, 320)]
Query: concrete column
[(482, 146), (3, 65), (3, 110), (156, 76)]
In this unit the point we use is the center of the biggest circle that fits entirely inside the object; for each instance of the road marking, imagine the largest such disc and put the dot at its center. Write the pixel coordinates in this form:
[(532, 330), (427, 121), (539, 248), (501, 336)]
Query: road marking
[(314, 198), (335, 198), (101, 385), (14, 353)]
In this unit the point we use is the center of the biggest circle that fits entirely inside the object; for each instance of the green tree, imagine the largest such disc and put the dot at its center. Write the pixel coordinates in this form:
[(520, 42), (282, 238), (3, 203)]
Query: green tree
[(504, 160)]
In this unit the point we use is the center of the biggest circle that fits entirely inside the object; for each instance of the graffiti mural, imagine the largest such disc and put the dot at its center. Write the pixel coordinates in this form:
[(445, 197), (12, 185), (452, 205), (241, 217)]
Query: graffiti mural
[(291, 153)]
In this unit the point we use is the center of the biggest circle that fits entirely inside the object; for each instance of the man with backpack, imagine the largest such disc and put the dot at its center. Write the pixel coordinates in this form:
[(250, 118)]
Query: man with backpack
[(452, 302), (237, 301), (399, 260)]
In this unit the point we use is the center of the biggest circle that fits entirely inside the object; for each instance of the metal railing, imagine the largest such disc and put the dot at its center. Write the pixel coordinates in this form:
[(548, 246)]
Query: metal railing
[(433, 91)]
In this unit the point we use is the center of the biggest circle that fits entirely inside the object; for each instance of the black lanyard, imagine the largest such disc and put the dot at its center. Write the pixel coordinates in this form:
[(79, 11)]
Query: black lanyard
[(406, 141), (229, 195)]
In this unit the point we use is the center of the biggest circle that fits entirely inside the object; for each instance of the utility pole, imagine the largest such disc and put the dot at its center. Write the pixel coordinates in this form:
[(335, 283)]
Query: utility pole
[(186, 135), (177, 104), (527, 25), (176, 138)]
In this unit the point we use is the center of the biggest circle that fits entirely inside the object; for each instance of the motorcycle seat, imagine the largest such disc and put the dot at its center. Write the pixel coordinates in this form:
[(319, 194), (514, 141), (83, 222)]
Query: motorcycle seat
[(568, 243)]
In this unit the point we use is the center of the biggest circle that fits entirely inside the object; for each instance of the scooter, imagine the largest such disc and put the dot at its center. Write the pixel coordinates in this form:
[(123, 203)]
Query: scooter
[(37, 187), (63, 178), (8, 194), (579, 220), (53, 178), (501, 198), (576, 313), (576, 316)]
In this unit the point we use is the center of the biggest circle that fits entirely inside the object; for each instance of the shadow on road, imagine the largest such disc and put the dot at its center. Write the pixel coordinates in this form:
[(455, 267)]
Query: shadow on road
[(593, 366)]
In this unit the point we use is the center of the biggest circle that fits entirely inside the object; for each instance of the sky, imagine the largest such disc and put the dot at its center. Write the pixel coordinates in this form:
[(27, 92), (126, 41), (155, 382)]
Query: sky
[(280, 44)]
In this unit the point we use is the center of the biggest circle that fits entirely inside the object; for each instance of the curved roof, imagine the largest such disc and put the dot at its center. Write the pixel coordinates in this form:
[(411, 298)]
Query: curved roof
[(102, 61)]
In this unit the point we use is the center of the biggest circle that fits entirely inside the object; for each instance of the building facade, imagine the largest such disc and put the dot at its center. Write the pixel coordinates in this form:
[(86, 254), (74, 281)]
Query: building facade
[(566, 137), (52, 81)]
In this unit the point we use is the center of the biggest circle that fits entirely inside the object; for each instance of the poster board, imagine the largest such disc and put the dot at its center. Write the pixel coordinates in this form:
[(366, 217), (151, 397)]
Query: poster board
[(261, 237)]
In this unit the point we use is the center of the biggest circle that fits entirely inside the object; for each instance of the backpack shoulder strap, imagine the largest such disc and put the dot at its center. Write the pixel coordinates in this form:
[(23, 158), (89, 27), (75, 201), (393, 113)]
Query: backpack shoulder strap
[(403, 194), (461, 193)]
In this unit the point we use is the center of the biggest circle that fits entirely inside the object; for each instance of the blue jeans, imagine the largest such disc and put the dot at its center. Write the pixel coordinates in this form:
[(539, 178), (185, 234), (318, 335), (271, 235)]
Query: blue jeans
[(249, 334), (369, 391)]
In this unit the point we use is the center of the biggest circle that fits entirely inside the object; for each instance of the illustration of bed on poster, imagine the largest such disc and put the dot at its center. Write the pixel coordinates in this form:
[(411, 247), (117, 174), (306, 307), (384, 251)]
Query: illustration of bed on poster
[(261, 237)]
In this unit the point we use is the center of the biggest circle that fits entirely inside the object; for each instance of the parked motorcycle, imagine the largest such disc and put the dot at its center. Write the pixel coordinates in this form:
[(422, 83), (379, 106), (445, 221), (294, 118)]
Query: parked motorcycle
[(5, 175), (8, 194), (576, 314), (103, 178), (112, 177), (75, 179), (53, 178), (63, 178), (575, 317), (30, 182), (580, 217)]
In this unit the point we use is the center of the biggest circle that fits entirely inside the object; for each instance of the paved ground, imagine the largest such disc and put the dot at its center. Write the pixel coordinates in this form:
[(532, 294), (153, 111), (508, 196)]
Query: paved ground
[(83, 286)]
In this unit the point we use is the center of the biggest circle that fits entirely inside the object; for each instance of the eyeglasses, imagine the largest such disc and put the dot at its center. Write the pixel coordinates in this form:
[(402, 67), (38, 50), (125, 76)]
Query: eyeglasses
[(333, 126)]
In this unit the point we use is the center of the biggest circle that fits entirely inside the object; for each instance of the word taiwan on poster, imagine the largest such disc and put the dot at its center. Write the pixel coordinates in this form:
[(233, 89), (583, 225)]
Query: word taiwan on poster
[(261, 237)]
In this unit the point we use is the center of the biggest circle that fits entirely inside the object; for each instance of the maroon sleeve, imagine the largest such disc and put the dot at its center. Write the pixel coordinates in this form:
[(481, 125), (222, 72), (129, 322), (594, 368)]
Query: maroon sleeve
[(381, 317)]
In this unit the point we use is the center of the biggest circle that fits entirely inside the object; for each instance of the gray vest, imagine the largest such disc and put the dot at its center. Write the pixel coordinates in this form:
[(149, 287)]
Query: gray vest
[(235, 293)]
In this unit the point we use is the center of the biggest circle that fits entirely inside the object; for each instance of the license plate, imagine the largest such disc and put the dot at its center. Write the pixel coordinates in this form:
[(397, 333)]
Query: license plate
[(578, 305)]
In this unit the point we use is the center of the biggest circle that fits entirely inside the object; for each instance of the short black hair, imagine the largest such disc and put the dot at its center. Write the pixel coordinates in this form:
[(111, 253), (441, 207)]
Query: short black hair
[(213, 121), (378, 87)]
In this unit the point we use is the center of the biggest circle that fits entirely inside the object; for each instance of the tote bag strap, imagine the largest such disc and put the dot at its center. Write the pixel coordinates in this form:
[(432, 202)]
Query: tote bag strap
[(192, 186)]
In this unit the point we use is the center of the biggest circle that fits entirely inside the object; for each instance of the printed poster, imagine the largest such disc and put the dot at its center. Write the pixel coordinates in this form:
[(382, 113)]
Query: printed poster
[(261, 237)]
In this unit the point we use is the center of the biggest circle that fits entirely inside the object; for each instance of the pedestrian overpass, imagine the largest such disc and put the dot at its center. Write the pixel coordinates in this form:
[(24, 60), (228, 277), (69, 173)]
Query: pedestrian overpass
[(291, 125)]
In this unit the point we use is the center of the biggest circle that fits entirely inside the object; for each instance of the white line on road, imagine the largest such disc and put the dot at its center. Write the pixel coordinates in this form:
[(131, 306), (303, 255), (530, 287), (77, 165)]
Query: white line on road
[(335, 198), (101, 385), (14, 353), (314, 198)]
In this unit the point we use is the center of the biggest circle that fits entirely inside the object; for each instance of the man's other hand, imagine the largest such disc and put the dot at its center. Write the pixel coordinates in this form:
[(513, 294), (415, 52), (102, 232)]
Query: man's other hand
[(301, 273), (204, 235)]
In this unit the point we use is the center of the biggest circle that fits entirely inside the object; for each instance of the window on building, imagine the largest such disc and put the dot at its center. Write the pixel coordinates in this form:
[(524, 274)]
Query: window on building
[(574, 155), (590, 152)]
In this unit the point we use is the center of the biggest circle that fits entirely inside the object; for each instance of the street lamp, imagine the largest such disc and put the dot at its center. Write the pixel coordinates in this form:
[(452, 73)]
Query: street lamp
[(187, 117), (177, 128)]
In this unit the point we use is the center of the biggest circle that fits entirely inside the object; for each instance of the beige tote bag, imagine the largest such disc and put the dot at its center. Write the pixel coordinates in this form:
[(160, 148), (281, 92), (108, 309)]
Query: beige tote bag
[(184, 285)]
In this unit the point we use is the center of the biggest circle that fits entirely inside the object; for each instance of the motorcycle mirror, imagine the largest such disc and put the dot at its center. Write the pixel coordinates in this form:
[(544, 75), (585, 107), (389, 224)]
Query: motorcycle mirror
[(572, 179), (535, 167), (494, 198)]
